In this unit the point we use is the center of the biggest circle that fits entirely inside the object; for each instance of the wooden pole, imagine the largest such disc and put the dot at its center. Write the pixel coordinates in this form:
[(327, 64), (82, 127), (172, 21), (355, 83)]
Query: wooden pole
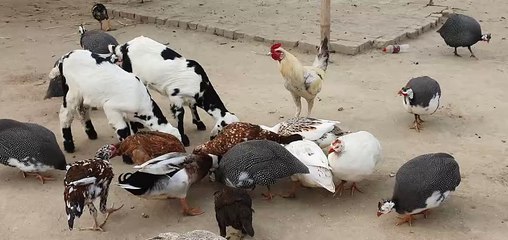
[(325, 19)]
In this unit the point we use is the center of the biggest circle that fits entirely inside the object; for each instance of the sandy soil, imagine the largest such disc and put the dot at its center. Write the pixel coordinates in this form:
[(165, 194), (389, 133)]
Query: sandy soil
[(471, 124)]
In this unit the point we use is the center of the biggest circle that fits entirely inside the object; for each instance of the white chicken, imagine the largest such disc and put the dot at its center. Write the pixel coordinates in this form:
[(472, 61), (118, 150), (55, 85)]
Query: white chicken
[(352, 158), (302, 81), (320, 174)]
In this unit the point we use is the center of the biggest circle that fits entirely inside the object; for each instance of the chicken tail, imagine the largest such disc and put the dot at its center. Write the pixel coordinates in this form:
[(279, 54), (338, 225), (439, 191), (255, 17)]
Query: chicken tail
[(321, 60), (290, 138), (74, 205)]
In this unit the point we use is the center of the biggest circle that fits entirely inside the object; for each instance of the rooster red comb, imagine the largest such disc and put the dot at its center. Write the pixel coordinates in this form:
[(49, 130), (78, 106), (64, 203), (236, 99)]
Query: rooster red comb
[(275, 46)]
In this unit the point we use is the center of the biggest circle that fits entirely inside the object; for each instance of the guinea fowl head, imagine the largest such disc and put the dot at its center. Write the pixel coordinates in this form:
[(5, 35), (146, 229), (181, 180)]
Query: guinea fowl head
[(276, 52), (106, 152), (406, 92), (486, 37), (384, 207)]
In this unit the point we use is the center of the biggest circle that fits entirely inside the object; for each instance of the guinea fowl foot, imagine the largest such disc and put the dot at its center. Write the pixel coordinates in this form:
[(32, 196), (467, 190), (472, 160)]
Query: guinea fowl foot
[(109, 211), (408, 218), (94, 228), (339, 188), (41, 178), (186, 210), (425, 213), (353, 188), (292, 192), (417, 123)]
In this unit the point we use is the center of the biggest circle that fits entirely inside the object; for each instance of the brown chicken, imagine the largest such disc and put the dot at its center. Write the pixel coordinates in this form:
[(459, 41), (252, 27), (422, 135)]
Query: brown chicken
[(146, 145), (233, 207), (238, 132)]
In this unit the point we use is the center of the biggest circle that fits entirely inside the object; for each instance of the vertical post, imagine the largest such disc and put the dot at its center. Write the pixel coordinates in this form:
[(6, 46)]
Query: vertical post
[(325, 19)]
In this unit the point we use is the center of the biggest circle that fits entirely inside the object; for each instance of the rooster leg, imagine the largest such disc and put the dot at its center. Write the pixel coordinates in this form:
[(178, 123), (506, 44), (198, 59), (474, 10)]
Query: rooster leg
[(353, 188), (292, 193), (93, 212), (268, 195), (298, 102), (109, 211), (408, 218), (339, 188), (310, 104), (188, 210)]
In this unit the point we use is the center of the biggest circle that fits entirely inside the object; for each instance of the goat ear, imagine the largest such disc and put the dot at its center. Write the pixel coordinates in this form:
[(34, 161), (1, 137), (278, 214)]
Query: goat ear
[(111, 48)]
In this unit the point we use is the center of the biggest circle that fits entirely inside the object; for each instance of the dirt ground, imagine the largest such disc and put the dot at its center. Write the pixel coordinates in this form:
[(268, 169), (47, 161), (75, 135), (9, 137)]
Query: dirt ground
[(471, 124)]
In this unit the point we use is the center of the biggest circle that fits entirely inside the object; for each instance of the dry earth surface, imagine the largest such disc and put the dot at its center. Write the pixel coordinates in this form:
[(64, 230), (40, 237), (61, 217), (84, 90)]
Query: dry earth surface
[(471, 124)]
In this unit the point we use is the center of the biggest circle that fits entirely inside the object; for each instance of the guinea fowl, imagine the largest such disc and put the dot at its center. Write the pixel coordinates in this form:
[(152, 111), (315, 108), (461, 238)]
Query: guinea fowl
[(169, 176), (462, 31), (320, 131), (320, 174), (87, 180), (30, 147), (238, 132), (100, 13), (257, 162), (421, 97), (96, 41), (146, 145), (233, 207), (353, 157), (302, 81), (422, 183)]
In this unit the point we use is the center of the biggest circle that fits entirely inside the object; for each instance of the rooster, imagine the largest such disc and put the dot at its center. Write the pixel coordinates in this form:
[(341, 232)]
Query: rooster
[(302, 81)]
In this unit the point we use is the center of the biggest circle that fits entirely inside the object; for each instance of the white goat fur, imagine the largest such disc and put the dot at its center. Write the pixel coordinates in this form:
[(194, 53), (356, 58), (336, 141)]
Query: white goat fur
[(121, 94), (165, 76)]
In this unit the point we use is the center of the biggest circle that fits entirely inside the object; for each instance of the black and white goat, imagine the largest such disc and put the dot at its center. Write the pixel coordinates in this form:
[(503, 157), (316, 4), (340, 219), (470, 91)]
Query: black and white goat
[(182, 80), (90, 80)]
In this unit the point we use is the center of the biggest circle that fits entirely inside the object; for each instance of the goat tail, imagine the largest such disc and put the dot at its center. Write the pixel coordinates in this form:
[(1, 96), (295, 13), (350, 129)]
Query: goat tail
[(55, 72), (290, 138)]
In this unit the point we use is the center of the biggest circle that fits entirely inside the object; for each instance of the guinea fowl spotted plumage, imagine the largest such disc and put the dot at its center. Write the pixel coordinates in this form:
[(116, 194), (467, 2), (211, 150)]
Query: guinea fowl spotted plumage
[(30, 147), (422, 183), (320, 131), (233, 207), (238, 132), (460, 30), (85, 181), (96, 41), (146, 145), (100, 13), (257, 162), (169, 176), (421, 96)]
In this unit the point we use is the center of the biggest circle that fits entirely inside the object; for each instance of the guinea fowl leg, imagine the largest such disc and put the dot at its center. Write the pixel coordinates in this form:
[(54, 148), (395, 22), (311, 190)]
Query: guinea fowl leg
[(93, 212), (456, 54), (471, 51), (188, 210), (109, 211), (408, 218), (42, 178), (268, 195), (292, 192), (353, 188), (339, 188), (417, 124), (425, 213)]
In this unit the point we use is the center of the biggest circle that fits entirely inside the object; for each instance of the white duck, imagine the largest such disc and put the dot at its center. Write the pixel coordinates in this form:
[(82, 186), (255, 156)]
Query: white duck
[(353, 157), (320, 174), (168, 176), (320, 131)]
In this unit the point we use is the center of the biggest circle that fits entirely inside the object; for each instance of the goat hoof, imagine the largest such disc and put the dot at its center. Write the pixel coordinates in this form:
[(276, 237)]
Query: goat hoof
[(201, 126), (92, 134), (69, 146), (185, 140)]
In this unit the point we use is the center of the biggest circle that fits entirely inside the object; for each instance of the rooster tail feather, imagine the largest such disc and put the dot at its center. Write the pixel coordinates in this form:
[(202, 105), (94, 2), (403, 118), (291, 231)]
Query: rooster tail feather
[(321, 60)]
